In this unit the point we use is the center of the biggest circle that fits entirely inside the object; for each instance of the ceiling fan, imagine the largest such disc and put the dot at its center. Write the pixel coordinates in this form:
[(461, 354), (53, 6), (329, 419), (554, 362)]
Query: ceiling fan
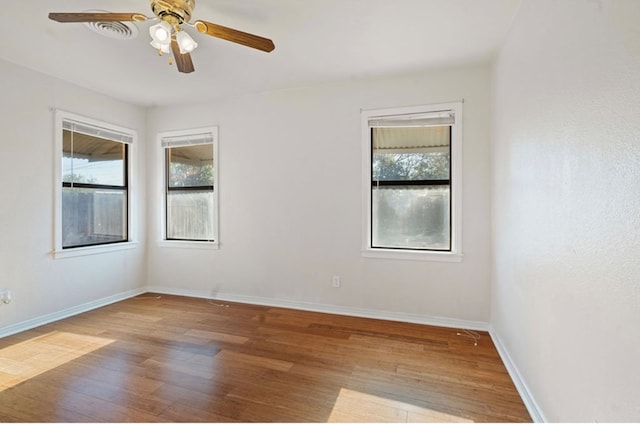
[(168, 34)]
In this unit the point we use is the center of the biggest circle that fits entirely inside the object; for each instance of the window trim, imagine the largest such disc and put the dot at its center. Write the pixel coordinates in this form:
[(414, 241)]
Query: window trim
[(455, 254), (60, 116), (162, 190)]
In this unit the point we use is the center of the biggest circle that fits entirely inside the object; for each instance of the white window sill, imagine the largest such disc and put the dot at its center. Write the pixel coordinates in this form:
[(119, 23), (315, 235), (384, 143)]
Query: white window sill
[(93, 250), (184, 244), (412, 255)]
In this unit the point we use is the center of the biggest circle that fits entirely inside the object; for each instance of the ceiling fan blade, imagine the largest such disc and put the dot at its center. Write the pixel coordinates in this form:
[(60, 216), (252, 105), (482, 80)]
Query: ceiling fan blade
[(235, 36), (183, 60), (96, 17)]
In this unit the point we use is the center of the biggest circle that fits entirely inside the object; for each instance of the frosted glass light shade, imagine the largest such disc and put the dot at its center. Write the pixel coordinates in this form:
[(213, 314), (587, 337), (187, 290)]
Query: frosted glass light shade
[(164, 48), (185, 42), (161, 33)]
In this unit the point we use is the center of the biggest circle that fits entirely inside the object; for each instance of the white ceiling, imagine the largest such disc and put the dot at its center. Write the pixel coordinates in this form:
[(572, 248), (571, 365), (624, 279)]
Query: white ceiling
[(316, 41)]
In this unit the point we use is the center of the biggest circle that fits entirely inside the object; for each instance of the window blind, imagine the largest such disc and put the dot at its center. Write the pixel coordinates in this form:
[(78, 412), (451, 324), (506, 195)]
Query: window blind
[(431, 119), (96, 131), (187, 140)]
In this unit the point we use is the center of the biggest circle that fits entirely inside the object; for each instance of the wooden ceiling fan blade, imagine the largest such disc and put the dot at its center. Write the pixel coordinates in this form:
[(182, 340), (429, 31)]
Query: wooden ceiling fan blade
[(235, 36), (183, 60), (96, 17)]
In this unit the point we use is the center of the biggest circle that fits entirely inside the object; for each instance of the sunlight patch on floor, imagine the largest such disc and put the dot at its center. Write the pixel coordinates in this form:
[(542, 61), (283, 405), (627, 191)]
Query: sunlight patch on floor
[(354, 406), (25, 360)]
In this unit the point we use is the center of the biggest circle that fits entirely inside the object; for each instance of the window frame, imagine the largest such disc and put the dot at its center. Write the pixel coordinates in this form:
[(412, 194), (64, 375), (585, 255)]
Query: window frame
[(455, 176), (60, 117), (163, 241)]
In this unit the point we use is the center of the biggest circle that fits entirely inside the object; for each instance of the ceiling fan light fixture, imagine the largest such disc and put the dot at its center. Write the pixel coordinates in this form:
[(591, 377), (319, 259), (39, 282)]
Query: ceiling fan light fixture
[(167, 34), (164, 48), (161, 32), (185, 42)]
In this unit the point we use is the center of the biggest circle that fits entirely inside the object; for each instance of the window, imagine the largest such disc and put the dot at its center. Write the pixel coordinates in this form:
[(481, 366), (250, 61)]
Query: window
[(412, 179), (190, 199), (93, 196)]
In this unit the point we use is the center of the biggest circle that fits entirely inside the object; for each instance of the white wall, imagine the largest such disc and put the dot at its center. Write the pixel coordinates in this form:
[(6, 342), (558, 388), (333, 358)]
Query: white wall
[(566, 209), (40, 284), (290, 193)]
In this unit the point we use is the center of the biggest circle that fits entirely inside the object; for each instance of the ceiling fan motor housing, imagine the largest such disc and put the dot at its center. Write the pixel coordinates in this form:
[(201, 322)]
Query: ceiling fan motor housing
[(173, 12)]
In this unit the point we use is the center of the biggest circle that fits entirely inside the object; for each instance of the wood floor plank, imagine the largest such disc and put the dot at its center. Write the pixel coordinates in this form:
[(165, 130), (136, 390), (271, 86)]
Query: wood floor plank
[(217, 336), (157, 358), (259, 361)]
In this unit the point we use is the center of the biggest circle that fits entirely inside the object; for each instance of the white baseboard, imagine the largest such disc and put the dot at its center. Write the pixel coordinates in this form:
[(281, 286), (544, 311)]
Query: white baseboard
[(66, 313), (330, 309), (527, 397)]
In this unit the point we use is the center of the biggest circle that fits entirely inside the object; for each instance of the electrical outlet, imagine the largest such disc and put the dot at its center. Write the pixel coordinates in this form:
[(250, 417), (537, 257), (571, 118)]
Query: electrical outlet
[(335, 281), (5, 296)]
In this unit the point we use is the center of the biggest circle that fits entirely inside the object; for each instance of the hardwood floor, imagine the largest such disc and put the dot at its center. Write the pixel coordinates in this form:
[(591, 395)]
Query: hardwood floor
[(161, 358)]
